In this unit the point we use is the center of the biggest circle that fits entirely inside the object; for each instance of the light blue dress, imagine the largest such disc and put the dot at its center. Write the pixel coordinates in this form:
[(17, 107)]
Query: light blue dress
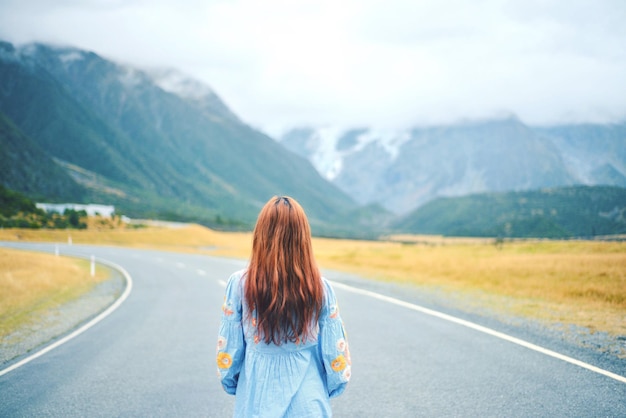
[(288, 380)]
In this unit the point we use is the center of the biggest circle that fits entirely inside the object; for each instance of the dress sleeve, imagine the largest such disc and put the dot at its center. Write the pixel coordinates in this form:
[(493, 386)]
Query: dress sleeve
[(333, 343), (231, 346)]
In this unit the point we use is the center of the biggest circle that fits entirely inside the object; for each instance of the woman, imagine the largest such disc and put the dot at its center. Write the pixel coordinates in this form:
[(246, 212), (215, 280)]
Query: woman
[(282, 349)]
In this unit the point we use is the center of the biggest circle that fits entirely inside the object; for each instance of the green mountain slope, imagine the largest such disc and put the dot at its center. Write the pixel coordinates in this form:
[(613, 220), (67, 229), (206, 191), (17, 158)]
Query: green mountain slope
[(164, 154), (26, 167), (577, 211), (42, 108)]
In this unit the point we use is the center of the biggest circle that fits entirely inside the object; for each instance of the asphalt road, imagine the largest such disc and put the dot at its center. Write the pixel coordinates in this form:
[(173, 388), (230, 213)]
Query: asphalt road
[(154, 356)]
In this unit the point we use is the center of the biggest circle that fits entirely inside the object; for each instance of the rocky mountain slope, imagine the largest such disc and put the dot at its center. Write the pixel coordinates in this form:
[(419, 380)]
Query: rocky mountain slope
[(404, 170)]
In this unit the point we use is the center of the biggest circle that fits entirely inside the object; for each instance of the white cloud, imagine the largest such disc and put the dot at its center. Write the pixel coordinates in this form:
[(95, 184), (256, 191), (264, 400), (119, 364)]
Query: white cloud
[(388, 63)]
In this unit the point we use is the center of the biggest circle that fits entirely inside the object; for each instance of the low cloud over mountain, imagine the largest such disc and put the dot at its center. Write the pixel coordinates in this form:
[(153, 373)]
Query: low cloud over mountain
[(404, 170)]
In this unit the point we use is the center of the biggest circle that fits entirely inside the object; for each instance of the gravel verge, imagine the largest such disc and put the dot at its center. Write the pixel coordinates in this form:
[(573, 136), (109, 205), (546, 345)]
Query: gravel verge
[(489, 310), (61, 320)]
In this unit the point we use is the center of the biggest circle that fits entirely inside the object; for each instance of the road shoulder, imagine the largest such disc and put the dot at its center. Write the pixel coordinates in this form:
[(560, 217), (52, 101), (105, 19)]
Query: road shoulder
[(61, 320)]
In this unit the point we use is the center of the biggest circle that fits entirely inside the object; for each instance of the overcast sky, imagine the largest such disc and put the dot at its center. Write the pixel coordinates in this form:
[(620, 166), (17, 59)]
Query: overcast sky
[(386, 64)]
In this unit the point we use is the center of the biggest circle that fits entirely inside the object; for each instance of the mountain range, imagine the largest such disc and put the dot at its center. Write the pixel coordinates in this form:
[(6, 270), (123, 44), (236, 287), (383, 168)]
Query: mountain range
[(404, 170), (79, 127)]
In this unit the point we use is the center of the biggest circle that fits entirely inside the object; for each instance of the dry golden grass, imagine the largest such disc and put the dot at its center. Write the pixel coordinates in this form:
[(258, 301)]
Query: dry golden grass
[(33, 283), (192, 238), (577, 282)]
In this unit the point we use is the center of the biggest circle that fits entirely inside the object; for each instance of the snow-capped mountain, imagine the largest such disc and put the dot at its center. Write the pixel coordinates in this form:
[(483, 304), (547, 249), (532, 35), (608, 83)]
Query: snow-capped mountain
[(174, 81), (192, 90), (403, 170), (327, 147)]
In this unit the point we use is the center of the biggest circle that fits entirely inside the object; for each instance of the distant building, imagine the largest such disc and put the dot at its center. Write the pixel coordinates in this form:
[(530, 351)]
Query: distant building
[(106, 211)]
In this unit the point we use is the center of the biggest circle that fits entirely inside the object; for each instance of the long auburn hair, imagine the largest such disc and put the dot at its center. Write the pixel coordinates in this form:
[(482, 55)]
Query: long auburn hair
[(283, 282)]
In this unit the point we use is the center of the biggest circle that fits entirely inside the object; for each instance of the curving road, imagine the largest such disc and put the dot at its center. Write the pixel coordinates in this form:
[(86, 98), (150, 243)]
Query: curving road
[(154, 355)]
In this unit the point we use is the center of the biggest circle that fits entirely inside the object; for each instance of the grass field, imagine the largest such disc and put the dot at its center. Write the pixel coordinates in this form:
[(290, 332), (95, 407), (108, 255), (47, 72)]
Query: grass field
[(570, 282), (33, 283)]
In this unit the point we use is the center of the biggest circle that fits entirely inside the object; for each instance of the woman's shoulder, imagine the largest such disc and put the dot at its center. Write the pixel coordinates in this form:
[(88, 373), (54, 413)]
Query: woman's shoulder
[(238, 275), (328, 288), (235, 282), (329, 294)]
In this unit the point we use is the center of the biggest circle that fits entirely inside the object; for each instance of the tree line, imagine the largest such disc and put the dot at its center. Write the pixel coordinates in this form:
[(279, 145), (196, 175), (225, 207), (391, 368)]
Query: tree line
[(18, 211)]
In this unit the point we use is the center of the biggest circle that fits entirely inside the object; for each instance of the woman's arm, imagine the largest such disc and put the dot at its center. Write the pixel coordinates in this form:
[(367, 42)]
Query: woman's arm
[(231, 345), (333, 344)]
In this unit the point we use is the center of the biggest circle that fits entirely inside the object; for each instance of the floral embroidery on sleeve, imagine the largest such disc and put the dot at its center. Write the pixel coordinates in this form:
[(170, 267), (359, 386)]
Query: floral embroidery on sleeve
[(343, 362), (221, 343), (231, 346), (347, 373), (227, 307), (334, 311), (339, 363), (347, 353), (224, 360), (341, 344), (334, 346)]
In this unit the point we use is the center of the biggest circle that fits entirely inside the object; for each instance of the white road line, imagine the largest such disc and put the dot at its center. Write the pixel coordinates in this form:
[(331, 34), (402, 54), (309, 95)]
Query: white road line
[(104, 314), (180, 265), (481, 328), (222, 283), (201, 272)]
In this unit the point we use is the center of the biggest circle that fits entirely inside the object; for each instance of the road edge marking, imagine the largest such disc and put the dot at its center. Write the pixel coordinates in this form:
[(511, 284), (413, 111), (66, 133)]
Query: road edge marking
[(85, 327), (482, 329)]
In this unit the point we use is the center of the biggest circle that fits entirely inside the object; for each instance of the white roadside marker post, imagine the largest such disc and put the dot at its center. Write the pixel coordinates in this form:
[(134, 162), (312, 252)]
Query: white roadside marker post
[(93, 266)]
